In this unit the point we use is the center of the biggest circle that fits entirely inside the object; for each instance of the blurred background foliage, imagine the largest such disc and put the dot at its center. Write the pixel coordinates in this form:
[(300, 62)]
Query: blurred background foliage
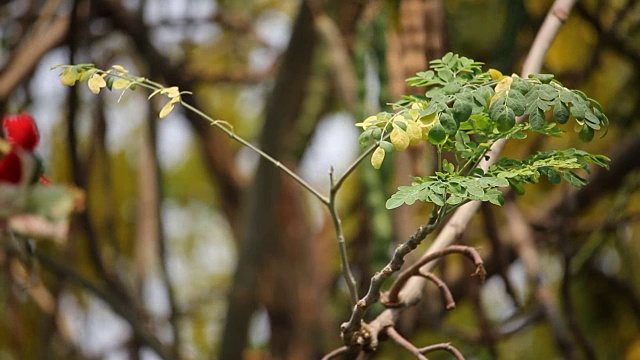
[(187, 241)]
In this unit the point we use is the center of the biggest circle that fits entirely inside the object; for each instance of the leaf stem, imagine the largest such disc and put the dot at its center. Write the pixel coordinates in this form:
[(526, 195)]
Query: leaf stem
[(278, 164)]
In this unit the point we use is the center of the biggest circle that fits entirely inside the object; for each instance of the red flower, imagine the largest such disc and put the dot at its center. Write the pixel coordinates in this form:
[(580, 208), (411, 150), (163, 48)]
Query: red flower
[(10, 168), (21, 130)]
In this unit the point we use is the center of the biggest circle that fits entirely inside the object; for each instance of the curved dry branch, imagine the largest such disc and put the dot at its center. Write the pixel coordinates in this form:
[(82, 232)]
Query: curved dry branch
[(415, 269), (450, 304), (395, 336), (444, 346), (336, 352)]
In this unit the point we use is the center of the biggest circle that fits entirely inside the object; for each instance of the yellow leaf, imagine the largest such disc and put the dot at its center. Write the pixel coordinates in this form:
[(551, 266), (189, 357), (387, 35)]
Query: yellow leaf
[(501, 89), (172, 92), (414, 113), (95, 83), (504, 84), (168, 107), (367, 122), (414, 132), (495, 74), (377, 158), (120, 84), (154, 93), (399, 138), (69, 76), (121, 69)]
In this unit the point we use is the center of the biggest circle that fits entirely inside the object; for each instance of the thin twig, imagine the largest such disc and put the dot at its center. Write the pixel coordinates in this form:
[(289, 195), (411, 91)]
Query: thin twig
[(278, 164), (342, 246), (395, 336), (339, 351), (354, 165), (450, 303), (444, 346), (415, 268)]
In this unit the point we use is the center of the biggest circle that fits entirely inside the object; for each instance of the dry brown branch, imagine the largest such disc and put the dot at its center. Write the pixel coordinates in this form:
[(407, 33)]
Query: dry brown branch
[(417, 268), (353, 332), (336, 352), (27, 56), (450, 304), (446, 347), (395, 336)]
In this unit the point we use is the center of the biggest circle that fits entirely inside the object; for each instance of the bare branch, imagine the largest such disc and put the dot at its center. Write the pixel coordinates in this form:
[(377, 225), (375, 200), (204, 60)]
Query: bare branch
[(444, 346), (339, 351), (26, 57), (395, 336), (417, 268), (353, 332), (450, 304)]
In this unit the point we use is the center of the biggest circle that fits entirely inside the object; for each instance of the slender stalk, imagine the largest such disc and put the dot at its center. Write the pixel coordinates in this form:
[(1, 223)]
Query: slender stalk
[(278, 164), (342, 246), (352, 167)]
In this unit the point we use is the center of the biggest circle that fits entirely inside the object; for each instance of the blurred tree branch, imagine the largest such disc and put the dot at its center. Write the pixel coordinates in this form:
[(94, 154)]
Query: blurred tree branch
[(25, 58)]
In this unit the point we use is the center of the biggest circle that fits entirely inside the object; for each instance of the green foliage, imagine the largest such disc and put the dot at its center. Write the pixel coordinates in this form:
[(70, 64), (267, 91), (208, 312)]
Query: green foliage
[(464, 112)]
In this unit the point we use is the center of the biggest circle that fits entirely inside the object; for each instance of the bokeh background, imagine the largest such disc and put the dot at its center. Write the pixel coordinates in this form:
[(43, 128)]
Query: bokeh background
[(192, 248)]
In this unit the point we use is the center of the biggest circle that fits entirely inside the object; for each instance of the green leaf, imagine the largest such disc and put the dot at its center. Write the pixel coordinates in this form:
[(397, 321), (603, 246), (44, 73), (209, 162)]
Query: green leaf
[(520, 85), (436, 199), (586, 133), (475, 191), (448, 123), (552, 175), (560, 112), (495, 197), (387, 146), (592, 121), (517, 186), (566, 96), (574, 179), (405, 195), (461, 110), (547, 92), (536, 119), (451, 88), (445, 74), (579, 110), (502, 115), (544, 78), (401, 125), (516, 101), (364, 137), (454, 200), (437, 135)]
